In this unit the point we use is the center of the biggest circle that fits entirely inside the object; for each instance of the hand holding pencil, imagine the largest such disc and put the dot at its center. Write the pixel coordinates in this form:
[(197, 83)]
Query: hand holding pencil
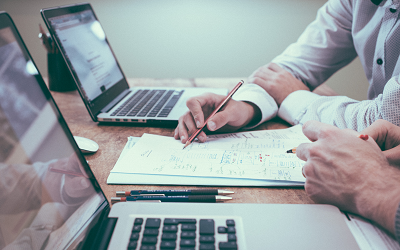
[(232, 116)]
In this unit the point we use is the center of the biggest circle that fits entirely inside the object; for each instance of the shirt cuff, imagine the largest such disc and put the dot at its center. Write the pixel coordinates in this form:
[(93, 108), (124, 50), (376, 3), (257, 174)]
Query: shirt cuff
[(295, 105), (255, 94)]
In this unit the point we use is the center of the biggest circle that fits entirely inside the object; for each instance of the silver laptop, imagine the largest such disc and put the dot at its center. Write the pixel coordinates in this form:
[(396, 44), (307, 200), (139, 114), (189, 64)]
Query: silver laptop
[(50, 199), (99, 78)]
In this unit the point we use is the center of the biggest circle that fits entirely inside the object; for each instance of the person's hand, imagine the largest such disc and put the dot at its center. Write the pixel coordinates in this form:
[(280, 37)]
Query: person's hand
[(350, 173), (75, 187), (278, 82), (387, 136), (234, 115)]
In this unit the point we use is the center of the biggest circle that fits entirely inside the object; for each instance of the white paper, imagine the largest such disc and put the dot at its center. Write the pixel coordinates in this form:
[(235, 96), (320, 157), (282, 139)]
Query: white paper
[(239, 155)]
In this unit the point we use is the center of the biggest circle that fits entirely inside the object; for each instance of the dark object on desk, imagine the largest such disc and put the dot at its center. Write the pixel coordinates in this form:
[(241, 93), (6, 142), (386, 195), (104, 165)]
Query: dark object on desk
[(182, 198), (174, 192), (60, 78)]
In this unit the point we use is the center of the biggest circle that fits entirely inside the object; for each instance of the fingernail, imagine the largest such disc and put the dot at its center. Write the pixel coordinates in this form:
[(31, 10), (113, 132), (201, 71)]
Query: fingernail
[(176, 133), (182, 137), (211, 125), (198, 124)]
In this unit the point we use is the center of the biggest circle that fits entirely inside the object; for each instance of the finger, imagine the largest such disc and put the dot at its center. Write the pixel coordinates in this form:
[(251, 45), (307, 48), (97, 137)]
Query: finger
[(182, 130), (274, 67), (303, 152), (196, 105), (219, 120), (386, 134), (393, 156), (315, 130)]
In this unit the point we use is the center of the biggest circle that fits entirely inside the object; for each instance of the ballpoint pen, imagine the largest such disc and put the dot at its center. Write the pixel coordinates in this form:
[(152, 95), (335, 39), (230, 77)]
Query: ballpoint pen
[(182, 198), (174, 192), (227, 98)]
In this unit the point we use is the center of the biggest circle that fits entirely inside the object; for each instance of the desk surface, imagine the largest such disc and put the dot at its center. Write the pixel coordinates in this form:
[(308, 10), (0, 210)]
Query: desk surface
[(112, 139)]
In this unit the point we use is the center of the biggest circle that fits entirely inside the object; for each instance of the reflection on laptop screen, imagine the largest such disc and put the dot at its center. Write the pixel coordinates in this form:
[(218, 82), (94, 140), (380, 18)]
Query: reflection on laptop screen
[(84, 43), (45, 191)]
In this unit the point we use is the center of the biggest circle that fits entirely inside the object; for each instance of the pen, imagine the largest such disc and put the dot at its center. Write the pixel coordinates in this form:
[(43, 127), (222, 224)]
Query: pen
[(227, 98), (362, 137), (182, 198), (174, 192)]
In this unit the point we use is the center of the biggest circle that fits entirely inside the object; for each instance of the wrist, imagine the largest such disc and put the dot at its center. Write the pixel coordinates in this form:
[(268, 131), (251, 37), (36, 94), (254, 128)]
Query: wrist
[(253, 114), (380, 205)]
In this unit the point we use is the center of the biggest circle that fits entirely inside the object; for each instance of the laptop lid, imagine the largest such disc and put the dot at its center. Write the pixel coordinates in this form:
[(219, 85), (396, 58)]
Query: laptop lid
[(85, 48), (48, 193)]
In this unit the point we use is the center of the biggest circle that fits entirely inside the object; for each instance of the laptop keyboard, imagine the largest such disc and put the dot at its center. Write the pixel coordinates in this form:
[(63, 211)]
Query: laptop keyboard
[(149, 103), (185, 233)]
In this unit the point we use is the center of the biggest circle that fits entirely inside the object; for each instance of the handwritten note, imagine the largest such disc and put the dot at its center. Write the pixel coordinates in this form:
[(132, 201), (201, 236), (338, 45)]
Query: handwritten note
[(253, 155)]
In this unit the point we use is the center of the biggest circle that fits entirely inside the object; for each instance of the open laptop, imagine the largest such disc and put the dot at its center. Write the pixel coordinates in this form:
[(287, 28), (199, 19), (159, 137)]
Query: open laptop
[(50, 199), (99, 78)]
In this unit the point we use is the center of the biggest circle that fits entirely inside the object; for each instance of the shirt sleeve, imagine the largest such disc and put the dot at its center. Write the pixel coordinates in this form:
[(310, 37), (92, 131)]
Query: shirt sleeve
[(255, 94), (325, 46), (341, 111)]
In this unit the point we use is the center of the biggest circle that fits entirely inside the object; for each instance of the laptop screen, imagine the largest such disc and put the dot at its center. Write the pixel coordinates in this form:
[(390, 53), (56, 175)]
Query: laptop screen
[(48, 194), (83, 40), (88, 54)]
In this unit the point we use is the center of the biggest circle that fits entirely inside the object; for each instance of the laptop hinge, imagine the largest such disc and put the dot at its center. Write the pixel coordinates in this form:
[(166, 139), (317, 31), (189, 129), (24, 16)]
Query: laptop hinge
[(115, 101)]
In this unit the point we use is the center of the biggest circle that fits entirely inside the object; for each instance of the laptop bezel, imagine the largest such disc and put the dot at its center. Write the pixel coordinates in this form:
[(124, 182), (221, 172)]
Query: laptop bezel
[(115, 93), (103, 209)]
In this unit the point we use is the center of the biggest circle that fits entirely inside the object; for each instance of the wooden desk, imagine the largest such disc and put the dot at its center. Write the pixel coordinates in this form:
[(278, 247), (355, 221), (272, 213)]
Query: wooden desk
[(112, 139)]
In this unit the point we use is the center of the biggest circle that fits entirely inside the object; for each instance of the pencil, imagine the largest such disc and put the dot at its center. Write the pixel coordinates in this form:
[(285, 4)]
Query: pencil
[(227, 98), (291, 151)]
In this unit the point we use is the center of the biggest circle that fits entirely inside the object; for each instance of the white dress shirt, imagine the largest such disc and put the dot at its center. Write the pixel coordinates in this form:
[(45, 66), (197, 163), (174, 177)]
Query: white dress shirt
[(343, 30)]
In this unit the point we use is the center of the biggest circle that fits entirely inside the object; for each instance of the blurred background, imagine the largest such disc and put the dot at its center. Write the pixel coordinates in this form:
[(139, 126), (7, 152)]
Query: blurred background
[(192, 38)]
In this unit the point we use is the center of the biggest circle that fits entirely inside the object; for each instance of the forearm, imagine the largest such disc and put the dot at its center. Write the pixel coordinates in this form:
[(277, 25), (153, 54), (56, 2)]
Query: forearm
[(324, 47), (342, 111)]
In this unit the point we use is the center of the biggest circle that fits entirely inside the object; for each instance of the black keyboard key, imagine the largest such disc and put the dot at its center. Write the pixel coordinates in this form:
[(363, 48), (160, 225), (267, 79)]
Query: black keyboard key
[(206, 226), (150, 232), (169, 236), (222, 230), (172, 221), (230, 223), (138, 221), (148, 247), (231, 237), (231, 230), (137, 228), (153, 223), (188, 227), (168, 245), (207, 247), (132, 245), (150, 240), (187, 243), (188, 235), (134, 236), (207, 239), (170, 228), (227, 245)]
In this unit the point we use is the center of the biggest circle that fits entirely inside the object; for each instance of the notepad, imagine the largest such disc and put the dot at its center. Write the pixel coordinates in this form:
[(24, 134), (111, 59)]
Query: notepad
[(256, 158)]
